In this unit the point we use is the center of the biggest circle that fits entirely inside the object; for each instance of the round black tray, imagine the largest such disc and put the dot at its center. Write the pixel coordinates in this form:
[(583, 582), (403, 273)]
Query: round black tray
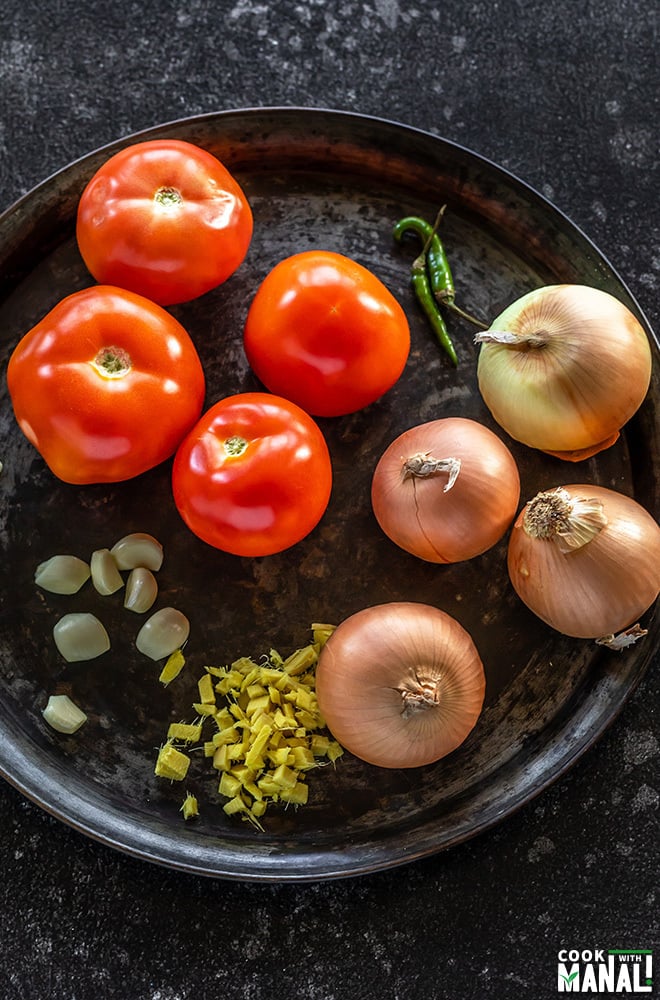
[(336, 181)]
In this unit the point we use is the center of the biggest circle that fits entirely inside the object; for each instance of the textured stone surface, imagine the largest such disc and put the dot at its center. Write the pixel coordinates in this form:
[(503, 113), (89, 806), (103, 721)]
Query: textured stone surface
[(566, 98)]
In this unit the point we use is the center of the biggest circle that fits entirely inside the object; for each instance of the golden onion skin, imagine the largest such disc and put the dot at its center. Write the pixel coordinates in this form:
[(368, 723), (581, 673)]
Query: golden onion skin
[(400, 685), (601, 587), (580, 383), (447, 526)]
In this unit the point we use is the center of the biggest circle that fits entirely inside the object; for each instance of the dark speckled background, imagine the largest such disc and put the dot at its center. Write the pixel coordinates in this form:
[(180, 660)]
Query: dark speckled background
[(566, 97)]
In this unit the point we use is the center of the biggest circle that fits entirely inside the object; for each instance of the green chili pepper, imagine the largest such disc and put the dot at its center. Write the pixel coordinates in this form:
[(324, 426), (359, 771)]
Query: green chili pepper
[(440, 276), (422, 287), (422, 278)]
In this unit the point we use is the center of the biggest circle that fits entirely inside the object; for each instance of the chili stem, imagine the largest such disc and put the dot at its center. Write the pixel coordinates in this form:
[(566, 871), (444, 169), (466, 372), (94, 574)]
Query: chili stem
[(465, 315)]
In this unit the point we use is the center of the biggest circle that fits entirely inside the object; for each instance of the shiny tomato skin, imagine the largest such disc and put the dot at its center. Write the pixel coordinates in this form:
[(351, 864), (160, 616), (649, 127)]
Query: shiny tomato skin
[(323, 331), (165, 219), (95, 427), (270, 492)]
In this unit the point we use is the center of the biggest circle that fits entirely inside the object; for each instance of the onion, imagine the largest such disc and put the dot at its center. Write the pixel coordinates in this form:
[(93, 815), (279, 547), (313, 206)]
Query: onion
[(446, 490), (563, 368), (400, 685), (585, 559)]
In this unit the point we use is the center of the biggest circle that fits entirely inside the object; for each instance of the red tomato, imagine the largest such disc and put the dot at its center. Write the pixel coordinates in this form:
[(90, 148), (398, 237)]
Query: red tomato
[(164, 219), (105, 386), (324, 332), (254, 476)]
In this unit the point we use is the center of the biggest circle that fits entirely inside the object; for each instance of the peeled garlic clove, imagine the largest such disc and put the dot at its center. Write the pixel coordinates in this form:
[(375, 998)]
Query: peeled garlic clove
[(62, 574), (163, 633), (80, 636), (138, 549), (63, 714), (141, 590), (105, 572)]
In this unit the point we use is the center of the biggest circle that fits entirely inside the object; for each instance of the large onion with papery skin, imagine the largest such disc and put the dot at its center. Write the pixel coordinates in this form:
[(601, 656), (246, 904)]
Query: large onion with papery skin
[(400, 685), (563, 368), (446, 490), (585, 559)]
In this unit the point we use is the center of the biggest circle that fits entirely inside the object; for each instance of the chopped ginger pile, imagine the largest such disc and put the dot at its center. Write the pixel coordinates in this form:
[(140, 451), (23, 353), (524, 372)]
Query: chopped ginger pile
[(266, 735)]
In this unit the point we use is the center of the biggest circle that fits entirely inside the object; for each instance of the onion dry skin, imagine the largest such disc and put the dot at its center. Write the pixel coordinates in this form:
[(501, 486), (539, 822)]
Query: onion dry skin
[(400, 685), (423, 509), (563, 368), (585, 559)]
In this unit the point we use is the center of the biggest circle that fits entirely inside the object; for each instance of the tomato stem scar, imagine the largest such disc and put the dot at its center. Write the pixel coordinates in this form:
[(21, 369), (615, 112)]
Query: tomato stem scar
[(168, 197), (112, 362), (235, 446)]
